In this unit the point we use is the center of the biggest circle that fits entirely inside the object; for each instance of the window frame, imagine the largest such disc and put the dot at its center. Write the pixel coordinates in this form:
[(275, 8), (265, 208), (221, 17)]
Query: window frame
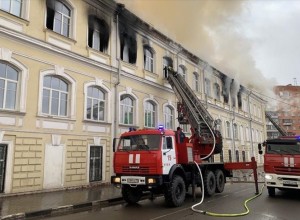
[(98, 100), (170, 116), (149, 61), (122, 106), (153, 112)]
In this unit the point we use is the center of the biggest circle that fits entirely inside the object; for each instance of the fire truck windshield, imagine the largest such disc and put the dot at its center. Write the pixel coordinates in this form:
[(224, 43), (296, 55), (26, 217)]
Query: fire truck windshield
[(282, 148), (140, 142)]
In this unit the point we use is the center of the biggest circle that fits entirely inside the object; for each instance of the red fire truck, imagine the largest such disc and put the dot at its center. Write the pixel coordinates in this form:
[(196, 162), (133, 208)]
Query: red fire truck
[(282, 163), (156, 161)]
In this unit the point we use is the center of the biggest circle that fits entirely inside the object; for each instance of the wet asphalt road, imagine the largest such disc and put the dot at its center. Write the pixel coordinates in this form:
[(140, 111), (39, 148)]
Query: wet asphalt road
[(285, 206)]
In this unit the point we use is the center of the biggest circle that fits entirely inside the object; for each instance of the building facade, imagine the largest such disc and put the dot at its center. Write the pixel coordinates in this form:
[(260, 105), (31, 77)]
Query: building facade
[(287, 109), (76, 74)]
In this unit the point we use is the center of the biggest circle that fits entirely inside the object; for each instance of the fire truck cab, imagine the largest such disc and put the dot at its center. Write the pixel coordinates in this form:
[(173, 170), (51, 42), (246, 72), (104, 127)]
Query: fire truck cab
[(282, 163)]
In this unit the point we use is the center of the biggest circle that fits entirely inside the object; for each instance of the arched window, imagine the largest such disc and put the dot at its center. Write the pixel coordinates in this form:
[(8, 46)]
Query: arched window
[(126, 110), (98, 34), (148, 59), (96, 101), (228, 130), (9, 80), (168, 117), (150, 112), (182, 71), (55, 96), (59, 17)]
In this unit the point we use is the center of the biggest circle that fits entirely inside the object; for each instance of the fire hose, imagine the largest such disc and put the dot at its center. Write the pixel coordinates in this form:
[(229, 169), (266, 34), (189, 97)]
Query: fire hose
[(202, 197), (222, 214)]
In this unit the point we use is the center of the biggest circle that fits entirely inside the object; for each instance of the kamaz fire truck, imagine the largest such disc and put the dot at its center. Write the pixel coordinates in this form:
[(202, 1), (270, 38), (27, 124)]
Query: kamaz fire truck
[(156, 161), (281, 161)]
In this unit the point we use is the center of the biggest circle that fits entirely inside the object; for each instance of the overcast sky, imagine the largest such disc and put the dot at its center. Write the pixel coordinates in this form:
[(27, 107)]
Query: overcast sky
[(256, 42)]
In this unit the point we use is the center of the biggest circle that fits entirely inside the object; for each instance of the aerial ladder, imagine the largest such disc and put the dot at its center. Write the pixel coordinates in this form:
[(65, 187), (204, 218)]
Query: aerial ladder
[(192, 111), (277, 126)]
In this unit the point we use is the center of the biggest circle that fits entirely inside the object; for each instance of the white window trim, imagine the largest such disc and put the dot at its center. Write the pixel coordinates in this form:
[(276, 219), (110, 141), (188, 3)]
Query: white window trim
[(156, 113), (6, 55), (135, 106), (168, 104), (99, 83), (72, 92)]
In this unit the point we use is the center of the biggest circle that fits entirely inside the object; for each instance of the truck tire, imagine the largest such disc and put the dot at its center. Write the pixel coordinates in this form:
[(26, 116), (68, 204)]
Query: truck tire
[(175, 193), (131, 194), (209, 183), (271, 191), (220, 181)]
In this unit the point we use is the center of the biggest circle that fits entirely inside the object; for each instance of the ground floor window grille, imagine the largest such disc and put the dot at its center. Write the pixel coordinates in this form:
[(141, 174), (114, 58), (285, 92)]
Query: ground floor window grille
[(96, 157), (3, 151)]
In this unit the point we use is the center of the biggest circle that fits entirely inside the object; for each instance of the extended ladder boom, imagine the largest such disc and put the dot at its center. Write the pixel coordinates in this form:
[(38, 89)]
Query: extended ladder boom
[(196, 114), (277, 126)]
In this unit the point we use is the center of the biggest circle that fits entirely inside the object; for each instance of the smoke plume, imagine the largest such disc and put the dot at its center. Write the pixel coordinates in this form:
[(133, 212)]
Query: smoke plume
[(205, 27)]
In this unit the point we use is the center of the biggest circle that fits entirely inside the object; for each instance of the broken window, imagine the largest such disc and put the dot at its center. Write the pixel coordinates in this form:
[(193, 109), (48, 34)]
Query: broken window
[(217, 93), (167, 62), (128, 44), (58, 17), (98, 34)]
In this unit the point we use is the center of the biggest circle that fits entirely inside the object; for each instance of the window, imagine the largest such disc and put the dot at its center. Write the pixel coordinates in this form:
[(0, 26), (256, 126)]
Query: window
[(229, 155), (95, 172), (242, 134), (207, 87), (9, 79), (98, 34), (244, 156), (168, 117), (148, 59), (55, 96), (58, 17), (182, 71), (217, 94), (95, 108), (126, 110), (196, 81), (228, 133), (235, 131), (221, 156), (150, 111), (237, 156), (167, 61), (12, 6), (219, 125), (128, 49)]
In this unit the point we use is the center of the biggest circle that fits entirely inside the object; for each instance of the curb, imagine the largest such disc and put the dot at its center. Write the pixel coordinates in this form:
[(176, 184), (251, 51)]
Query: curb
[(61, 210)]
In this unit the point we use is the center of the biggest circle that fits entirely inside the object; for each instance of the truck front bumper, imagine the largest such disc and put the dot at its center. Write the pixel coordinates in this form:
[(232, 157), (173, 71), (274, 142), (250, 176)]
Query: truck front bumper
[(282, 181), (150, 181)]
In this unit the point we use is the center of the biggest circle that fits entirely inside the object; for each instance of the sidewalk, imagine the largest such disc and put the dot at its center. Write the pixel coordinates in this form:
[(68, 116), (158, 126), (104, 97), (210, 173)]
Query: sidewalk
[(67, 201), (55, 202)]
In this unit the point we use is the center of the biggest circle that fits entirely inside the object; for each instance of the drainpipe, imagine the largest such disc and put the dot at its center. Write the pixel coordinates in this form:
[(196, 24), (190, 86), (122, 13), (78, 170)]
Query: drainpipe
[(250, 123), (119, 9), (233, 134)]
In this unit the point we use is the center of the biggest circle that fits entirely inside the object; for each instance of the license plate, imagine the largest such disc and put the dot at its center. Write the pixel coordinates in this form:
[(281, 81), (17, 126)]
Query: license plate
[(290, 182), (132, 180)]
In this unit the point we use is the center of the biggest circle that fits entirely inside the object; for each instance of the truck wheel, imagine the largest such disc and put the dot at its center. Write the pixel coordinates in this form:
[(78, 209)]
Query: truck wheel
[(271, 191), (209, 183), (131, 194), (175, 193), (220, 181)]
